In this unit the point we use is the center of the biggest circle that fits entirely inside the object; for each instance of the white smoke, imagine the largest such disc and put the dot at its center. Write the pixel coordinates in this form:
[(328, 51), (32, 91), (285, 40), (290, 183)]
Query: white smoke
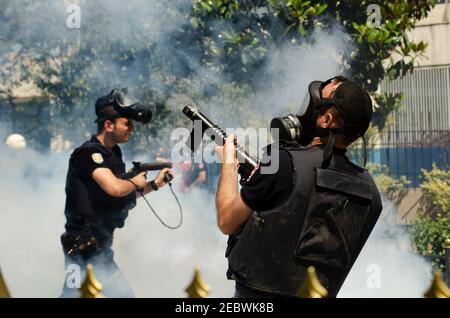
[(296, 66), (156, 261), (387, 266), (32, 195), (165, 259)]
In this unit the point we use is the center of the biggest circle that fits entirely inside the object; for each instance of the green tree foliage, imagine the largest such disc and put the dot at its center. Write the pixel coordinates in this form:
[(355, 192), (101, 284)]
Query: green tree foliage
[(436, 187), (394, 189), (237, 36), (74, 67), (429, 236), (160, 50), (433, 225)]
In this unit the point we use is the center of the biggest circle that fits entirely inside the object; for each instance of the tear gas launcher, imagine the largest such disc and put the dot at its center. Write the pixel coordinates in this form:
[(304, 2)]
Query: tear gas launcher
[(139, 167), (246, 163)]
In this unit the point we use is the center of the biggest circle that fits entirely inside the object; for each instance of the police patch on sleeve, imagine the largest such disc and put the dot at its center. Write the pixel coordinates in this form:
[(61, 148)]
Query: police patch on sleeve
[(97, 158)]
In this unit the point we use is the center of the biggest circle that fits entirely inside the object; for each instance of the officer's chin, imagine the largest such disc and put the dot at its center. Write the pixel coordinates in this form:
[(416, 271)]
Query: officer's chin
[(125, 139)]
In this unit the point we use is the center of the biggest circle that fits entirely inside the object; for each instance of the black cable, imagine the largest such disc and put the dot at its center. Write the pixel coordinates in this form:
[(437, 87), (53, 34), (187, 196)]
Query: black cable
[(157, 216)]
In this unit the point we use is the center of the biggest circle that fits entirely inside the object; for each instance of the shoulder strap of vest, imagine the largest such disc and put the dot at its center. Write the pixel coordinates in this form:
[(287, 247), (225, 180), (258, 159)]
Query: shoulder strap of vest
[(93, 145), (303, 161), (285, 145)]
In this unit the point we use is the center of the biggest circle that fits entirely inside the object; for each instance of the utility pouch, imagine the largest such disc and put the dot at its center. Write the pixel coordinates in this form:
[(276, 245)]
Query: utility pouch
[(75, 244)]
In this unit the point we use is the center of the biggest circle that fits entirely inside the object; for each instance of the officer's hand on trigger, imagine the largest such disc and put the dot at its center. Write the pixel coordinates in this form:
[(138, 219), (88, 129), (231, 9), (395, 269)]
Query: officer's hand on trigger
[(140, 180), (161, 179)]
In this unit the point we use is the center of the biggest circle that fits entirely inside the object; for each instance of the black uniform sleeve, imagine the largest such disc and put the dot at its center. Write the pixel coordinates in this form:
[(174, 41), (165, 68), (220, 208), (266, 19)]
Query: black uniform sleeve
[(266, 191), (87, 160)]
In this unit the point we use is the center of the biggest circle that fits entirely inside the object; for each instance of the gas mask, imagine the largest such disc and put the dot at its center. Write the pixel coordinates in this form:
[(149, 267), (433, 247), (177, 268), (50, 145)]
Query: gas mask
[(352, 102), (302, 128), (129, 107), (121, 103)]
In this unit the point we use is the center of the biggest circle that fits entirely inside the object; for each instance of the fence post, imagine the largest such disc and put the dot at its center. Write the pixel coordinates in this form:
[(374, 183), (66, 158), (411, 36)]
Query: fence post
[(91, 287), (312, 288), (447, 261), (197, 288), (437, 289), (4, 293)]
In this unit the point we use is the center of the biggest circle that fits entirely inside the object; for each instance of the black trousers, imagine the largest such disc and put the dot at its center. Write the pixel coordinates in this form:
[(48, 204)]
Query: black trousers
[(106, 271)]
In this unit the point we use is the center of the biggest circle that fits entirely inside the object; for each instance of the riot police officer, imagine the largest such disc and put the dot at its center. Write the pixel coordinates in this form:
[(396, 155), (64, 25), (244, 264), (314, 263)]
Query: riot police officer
[(317, 210), (97, 199)]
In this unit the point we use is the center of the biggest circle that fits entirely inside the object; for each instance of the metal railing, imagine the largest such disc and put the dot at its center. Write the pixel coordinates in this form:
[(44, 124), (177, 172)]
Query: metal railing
[(420, 135), (426, 103), (406, 153)]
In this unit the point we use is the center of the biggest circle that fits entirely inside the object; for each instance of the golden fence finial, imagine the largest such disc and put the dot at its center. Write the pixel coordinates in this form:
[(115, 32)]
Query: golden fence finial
[(438, 289), (197, 288), (446, 243), (91, 287), (312, 287), (4, 293)]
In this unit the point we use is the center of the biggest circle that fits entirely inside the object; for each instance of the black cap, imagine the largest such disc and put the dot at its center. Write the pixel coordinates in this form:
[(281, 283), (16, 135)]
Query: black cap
[(355, 107), (105, 109)]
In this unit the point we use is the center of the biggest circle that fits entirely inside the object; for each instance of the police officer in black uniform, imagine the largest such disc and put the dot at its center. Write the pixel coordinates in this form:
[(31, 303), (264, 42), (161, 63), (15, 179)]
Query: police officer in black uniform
[(317, 210), (98, 200)]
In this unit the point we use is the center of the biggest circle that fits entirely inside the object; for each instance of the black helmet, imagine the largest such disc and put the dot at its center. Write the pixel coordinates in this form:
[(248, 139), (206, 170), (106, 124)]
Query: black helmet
[(121, 103), (352, 102)]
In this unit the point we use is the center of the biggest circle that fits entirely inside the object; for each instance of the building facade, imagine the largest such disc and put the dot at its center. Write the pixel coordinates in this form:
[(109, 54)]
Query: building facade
[(420, 135)]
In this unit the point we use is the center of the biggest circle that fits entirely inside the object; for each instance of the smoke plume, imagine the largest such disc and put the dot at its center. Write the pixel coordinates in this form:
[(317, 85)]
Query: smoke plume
[(156, 261)]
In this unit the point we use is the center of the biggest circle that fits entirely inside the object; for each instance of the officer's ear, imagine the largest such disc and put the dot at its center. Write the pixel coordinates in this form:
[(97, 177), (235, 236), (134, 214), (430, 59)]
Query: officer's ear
[(325, 120), (108, 125), (330, 118)]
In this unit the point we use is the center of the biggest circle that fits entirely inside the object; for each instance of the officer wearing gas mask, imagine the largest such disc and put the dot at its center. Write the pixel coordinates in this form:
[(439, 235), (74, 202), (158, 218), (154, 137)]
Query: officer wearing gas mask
[(317, 210), (97, 199)]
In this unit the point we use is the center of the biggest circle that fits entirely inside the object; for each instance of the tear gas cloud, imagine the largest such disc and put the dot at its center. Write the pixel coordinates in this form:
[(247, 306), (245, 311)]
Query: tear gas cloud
[(156, 261)]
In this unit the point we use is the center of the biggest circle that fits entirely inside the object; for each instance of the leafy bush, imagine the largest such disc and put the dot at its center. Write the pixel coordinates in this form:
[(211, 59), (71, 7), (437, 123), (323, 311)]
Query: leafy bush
[(429, 235), (433, 225), (393, 188), (436, 187)]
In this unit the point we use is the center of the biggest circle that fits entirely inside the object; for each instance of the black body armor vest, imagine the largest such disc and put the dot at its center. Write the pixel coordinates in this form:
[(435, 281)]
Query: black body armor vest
[(324, 223), (88, 207)]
